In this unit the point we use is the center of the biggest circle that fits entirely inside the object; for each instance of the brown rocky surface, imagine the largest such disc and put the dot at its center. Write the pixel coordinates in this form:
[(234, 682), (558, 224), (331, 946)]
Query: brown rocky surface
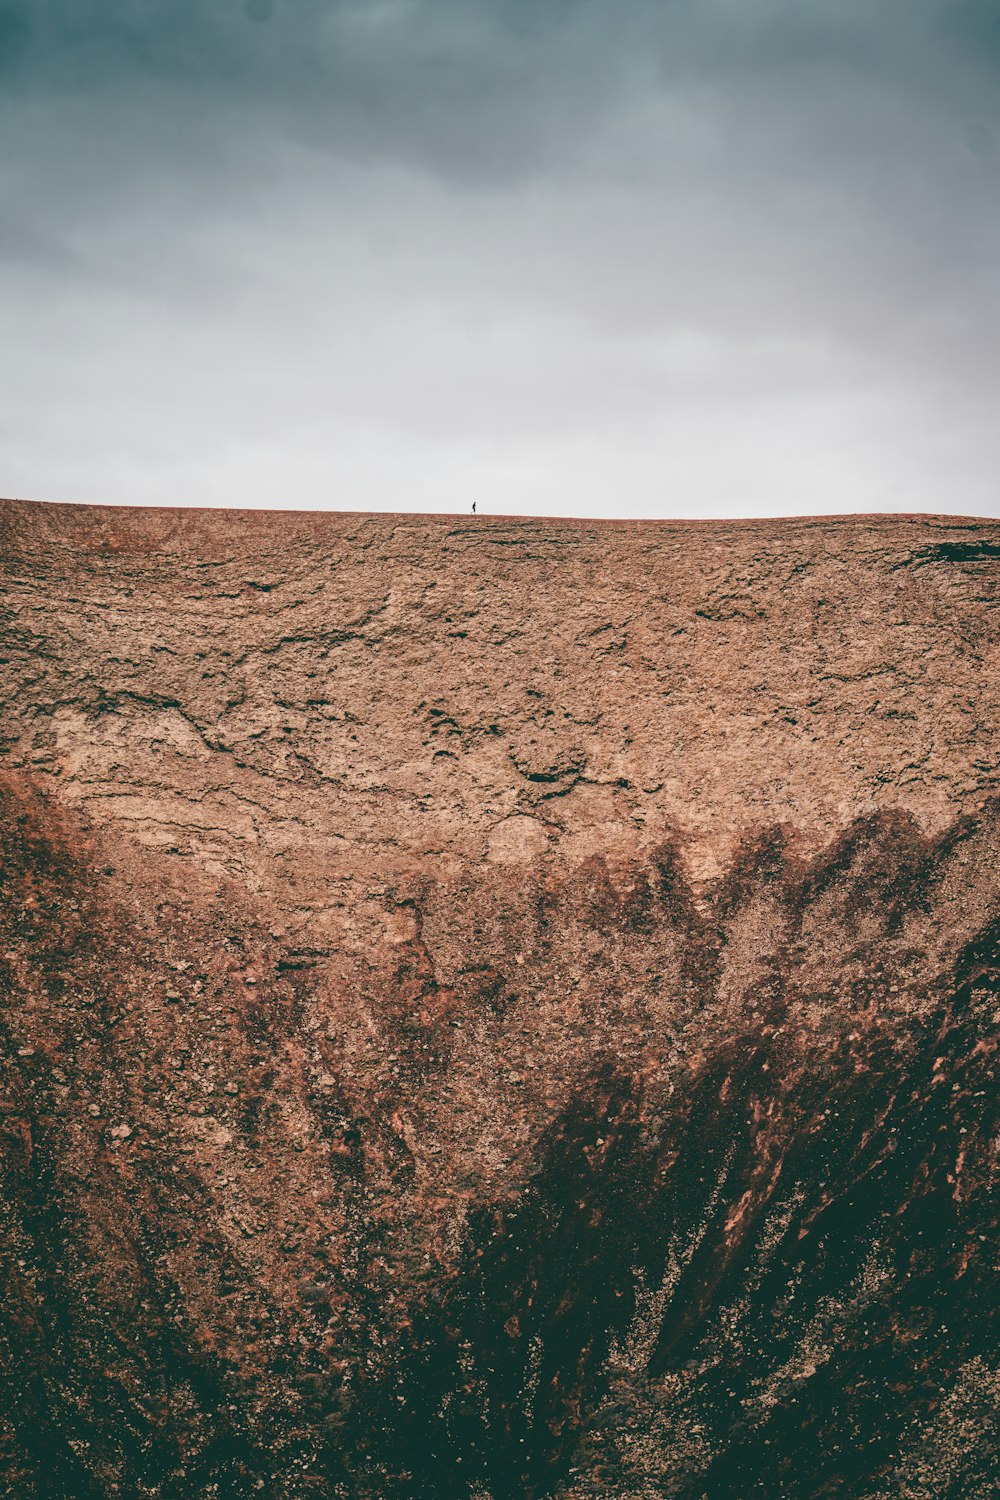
[(498, 1008)]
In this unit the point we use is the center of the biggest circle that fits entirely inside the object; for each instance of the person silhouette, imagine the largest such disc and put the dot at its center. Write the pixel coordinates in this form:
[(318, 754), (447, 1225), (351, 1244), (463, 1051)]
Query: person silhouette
[(473, 507)]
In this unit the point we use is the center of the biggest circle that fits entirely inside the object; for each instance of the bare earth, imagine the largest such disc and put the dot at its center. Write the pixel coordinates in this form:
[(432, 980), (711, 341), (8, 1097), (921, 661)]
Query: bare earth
[(498, 1008)]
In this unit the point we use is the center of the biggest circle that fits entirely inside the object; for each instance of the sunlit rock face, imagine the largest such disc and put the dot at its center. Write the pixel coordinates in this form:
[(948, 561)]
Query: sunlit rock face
[(498, 1011)]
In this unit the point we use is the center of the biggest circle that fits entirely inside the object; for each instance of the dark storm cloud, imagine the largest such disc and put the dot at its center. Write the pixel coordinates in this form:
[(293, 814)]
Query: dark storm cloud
[(753, 93), (734, 254), (460, 87), (480, 86)]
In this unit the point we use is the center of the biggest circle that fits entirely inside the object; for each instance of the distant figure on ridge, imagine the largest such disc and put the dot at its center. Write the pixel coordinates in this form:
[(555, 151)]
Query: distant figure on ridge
[(473, 507)]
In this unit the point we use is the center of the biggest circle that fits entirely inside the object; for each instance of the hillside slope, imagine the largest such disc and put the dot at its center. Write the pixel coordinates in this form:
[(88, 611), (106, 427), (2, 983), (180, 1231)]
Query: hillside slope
[(498, 1008)]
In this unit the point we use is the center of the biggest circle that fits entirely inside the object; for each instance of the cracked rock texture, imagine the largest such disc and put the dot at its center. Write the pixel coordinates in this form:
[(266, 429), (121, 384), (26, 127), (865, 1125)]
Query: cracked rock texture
[(498, 1008)]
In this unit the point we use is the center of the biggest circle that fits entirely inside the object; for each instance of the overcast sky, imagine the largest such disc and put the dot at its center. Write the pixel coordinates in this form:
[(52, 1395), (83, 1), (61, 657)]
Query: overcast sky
[(582, 257)]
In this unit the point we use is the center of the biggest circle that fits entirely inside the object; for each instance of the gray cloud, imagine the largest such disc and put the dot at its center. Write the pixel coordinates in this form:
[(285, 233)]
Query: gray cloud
[(485, 89), (630, 257)]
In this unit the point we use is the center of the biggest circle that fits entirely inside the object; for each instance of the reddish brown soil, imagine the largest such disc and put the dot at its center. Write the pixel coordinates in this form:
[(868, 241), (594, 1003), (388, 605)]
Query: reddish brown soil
[(501, 1009)]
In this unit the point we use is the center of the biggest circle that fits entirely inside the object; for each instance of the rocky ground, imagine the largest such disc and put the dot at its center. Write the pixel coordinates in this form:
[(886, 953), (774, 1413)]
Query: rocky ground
[(498, 1008)]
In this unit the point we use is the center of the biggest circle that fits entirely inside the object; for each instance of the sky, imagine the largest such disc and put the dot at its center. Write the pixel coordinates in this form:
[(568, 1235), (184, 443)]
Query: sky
[(648, 258)]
